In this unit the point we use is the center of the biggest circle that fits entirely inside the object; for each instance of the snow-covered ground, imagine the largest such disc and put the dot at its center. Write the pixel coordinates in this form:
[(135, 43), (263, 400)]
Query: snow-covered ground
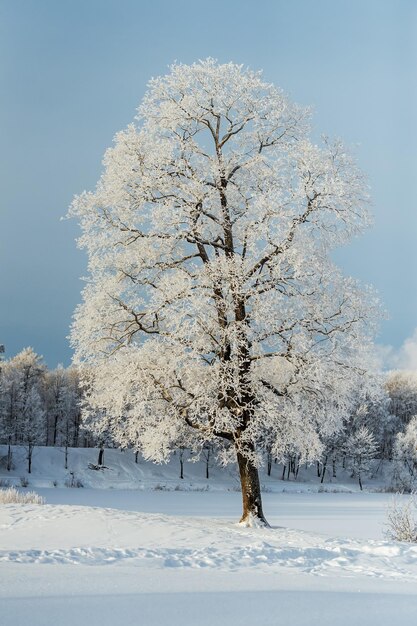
[(153, 557)]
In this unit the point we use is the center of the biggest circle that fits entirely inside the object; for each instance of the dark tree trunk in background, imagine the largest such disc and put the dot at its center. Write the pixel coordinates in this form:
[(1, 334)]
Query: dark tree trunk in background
[(77, 420), (100, 456), (181, 463), (55, 429), (30, 451), (269, 464), (207, 463), (9, 456), (324, 469)]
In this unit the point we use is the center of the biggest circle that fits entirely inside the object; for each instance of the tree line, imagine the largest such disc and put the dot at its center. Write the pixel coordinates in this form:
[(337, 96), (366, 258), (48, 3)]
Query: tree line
[(39, 406)]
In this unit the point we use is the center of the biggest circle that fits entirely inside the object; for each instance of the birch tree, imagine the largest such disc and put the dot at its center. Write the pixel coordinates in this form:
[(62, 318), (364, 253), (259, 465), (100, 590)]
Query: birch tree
[(212, 307)]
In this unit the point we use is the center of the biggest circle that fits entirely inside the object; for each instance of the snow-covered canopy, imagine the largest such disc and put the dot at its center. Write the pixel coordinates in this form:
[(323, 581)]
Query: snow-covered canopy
[(212, 306)]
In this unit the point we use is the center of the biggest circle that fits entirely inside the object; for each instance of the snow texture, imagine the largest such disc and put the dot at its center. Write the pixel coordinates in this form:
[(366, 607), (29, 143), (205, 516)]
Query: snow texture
[(106, 556)]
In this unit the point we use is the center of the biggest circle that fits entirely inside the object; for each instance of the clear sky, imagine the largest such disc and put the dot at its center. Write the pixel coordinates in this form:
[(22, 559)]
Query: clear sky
[(72, 73)]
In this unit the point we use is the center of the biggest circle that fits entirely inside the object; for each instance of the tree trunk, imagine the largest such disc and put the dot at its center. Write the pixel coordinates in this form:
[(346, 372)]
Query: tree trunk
[(324, 469), (9, 456), (76, 430), (207, 463), (100, 456), (251, 493), (55, 429), (30, 450)]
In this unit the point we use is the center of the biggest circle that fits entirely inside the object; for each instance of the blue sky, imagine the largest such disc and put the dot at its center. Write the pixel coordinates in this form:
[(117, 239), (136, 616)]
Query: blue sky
[(72, 73)]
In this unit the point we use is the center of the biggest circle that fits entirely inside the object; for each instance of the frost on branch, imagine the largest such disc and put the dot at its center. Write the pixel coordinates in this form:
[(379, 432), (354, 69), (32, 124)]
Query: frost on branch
[(212, 309)]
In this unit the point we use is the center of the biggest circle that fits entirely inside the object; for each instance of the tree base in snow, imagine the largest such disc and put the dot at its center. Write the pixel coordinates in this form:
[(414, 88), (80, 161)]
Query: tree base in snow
[(253, 521)]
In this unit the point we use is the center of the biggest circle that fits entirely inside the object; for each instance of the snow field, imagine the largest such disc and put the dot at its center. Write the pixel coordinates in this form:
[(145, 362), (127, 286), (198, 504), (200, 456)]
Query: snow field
[(152, 555), (94, 536), (70, 564)]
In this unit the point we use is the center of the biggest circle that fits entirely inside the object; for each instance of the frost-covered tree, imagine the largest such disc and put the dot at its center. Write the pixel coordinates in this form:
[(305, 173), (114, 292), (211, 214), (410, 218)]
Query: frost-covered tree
[(213, 307), (11, 404), (401, 386), (370, 409), (70, 431), (32, 418), (405, 448), (361, 448), (98, 423), (55, 392), (32, 423), (63, 407), (24, 419)]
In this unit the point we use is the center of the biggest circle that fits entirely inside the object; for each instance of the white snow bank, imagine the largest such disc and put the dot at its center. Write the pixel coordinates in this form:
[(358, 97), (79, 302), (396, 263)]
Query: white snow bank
[(140, 546), (93, 536)]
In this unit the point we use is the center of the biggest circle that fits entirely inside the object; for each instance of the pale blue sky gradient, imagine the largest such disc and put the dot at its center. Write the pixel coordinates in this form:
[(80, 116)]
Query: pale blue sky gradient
[(72, 73)]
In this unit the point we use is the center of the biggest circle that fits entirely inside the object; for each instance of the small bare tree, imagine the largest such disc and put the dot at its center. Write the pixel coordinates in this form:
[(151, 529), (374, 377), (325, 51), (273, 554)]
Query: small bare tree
[(401, 521)]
